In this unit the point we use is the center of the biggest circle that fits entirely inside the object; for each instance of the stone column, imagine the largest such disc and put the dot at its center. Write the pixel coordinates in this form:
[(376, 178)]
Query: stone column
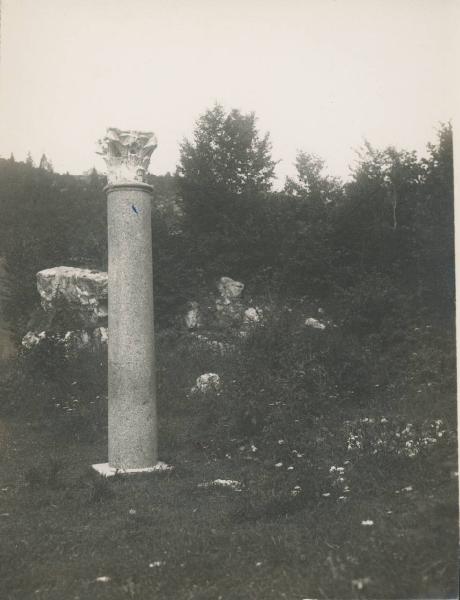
[(131, 374)]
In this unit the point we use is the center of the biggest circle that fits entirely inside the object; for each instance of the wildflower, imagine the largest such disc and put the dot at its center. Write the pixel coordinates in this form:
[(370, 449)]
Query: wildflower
[(103, 579), (332, 469), (383, 420), (296, 491), (278, 465), (409, 488), (340, 470), (281, 442), (157, 563), (132, 511), (367, 523), (258, 564), (290, 468), (360, 583), (342, 498), (253, 448), (326, 494)]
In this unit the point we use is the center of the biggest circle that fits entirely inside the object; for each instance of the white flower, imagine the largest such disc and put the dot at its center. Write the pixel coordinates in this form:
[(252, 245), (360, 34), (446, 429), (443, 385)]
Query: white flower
[(103, 579), (326, 494), (281, 442), (360, 583), (290, 468), (278, 465), (157, 563), (132, 511), (367, 523)]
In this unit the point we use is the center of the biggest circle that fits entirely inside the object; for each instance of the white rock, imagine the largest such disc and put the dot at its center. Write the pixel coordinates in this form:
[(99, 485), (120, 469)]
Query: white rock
[(192, 318), (252, 315), (208, 382), (229, 288), (227, 483), (83, 290), (32, 339), (314, 323)]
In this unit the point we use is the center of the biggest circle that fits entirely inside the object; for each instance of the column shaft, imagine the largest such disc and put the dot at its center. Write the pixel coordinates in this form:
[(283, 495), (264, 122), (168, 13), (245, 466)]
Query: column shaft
[(131, 376)]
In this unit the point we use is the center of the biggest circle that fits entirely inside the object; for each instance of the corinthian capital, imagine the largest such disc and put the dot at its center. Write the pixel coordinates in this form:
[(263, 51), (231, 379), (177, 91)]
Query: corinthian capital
[(127, 154)]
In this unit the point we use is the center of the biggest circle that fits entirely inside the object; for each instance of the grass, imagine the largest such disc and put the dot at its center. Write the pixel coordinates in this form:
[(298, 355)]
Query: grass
[(314, 518)]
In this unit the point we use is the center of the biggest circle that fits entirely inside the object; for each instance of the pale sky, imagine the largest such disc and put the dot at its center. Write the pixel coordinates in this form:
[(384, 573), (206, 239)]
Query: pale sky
[(321, 75)]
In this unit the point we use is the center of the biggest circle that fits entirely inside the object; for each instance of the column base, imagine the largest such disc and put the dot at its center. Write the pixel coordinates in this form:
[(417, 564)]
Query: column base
[(106, 470)]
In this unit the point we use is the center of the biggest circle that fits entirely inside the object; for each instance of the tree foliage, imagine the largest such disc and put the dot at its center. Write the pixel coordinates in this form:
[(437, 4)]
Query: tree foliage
[(379, 246)]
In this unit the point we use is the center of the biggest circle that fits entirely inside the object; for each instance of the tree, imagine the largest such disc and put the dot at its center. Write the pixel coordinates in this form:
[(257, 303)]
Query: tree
[(30, 160), (223, 172), (45, 164), (311, 183), (227, 153), (435, 227)]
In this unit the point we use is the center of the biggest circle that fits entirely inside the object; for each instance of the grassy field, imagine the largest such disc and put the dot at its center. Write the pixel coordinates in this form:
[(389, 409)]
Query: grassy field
[(357, 502)]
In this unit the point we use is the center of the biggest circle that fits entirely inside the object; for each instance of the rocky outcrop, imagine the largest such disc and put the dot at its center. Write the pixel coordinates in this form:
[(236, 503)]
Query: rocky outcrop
[(225, 315), (229, 306), (82, 292), (73, 312)]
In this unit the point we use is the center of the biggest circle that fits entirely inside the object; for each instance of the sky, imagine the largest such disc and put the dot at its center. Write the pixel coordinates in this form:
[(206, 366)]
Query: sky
[(321, 75)]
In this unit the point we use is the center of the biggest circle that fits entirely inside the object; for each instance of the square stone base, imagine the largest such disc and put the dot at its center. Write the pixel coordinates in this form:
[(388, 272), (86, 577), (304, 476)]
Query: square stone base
[(107, 471)]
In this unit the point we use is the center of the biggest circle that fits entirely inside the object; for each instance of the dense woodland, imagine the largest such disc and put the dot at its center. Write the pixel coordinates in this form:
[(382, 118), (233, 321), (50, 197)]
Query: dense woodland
[(378, 248)]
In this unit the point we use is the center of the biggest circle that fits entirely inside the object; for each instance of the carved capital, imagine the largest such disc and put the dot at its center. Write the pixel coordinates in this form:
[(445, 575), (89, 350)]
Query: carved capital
[(127, 154)]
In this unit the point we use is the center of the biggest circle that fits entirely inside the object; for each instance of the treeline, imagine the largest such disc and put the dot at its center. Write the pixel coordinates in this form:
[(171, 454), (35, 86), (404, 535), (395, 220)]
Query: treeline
[(377, 249)]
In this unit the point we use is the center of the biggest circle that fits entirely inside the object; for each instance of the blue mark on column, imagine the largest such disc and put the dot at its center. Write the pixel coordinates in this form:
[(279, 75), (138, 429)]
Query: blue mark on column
[(134, 209)]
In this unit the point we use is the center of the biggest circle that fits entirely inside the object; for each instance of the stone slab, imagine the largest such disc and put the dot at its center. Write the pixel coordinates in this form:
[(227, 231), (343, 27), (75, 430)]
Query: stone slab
[(106, 470)]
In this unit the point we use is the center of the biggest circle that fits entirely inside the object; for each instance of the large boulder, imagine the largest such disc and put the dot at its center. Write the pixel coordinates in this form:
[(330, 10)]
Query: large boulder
[(73, 313), (229, 306), (81, 292)]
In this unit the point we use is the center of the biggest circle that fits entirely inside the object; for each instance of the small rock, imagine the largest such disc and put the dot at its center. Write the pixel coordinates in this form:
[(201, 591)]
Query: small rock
[(314, 323), (207, 382)]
